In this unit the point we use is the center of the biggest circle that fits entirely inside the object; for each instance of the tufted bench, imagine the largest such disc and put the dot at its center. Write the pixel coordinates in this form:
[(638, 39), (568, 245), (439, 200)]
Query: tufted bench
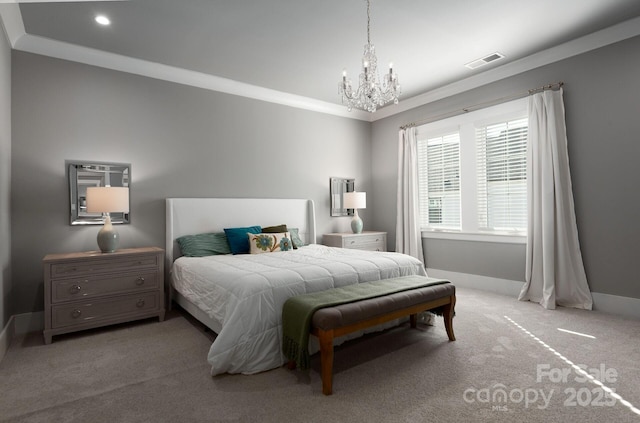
[(331, 322)]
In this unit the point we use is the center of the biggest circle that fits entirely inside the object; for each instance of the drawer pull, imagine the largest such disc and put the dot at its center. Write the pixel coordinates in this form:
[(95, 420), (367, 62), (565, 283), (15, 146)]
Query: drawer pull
[(76, 313), (353, 242), (140, 281), (74, 289), (140, 303)]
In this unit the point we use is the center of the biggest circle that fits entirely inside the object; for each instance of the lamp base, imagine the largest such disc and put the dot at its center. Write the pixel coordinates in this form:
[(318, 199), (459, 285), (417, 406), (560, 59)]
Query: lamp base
[(356, 223), (108, 237)]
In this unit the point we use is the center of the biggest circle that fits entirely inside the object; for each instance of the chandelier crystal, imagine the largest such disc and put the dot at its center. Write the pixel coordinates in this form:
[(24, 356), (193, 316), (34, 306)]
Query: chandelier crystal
[(370, 94)]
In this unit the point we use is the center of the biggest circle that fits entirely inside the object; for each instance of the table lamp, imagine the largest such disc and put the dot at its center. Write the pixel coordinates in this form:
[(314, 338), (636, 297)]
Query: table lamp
[(355, 200), (108, 200)]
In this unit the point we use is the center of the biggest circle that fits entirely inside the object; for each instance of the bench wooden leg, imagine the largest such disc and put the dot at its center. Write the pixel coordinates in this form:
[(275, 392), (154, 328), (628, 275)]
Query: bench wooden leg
[(326, 360), (448, 318), (413, 321), (291, 365)]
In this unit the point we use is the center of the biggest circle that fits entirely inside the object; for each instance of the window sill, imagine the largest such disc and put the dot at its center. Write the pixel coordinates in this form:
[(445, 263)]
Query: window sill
[(475, 236)]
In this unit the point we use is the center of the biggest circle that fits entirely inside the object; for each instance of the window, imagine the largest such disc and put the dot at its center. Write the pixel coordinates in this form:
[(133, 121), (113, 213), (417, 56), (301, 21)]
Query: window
[(440, 181), (502, 175), (472, 172)]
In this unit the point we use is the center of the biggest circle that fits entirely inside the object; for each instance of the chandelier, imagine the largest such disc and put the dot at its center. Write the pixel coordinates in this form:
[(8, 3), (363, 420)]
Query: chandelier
[(370, 93)]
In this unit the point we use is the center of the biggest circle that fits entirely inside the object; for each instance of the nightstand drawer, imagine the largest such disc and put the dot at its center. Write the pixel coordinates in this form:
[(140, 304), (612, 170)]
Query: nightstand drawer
[(92, 286), (372, 241), (364, 241), (88, 311), (97, 266)]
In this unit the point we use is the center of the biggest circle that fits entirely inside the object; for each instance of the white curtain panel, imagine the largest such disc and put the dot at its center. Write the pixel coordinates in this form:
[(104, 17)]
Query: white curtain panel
[(408, 237), (554, 269)]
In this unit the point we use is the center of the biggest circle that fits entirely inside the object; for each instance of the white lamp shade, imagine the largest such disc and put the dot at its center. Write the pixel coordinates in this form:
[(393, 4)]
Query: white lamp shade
[(107, 199), (355, 200)]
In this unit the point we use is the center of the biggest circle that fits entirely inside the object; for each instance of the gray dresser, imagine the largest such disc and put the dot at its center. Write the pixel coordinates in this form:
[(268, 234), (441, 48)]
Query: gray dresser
[(367, 240), (92, 289)]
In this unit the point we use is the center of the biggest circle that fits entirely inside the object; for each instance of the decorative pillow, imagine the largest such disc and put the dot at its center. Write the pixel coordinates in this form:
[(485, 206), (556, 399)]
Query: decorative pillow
[(279, 229), (295, 238), (269, 242), (201, 245), (237, 238)]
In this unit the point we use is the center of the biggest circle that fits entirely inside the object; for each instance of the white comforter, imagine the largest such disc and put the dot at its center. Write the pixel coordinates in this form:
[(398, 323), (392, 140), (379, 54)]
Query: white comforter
[(245, 293)]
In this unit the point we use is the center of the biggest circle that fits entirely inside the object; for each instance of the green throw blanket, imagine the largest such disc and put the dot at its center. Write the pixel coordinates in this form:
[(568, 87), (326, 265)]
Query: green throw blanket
[(298, 311)]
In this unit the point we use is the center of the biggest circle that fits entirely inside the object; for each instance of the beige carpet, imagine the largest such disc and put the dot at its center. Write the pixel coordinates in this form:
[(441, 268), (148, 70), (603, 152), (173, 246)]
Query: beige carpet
[(157, 372)]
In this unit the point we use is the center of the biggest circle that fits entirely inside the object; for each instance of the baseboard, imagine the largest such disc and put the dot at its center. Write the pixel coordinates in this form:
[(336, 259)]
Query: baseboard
[(29, 322), (483, 283), (6, 336), (606, 303), (615, 304)]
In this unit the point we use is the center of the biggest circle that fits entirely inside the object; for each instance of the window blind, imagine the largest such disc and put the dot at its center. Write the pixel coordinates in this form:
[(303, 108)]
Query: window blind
[(439, 181), (501, 150)]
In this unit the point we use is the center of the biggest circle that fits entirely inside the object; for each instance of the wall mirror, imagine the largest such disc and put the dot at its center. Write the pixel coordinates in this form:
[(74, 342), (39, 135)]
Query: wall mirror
[(337, 187), (94, 174)]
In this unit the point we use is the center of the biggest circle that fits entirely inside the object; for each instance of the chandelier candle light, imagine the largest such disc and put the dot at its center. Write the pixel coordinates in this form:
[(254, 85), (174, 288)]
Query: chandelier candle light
[(370, 94)]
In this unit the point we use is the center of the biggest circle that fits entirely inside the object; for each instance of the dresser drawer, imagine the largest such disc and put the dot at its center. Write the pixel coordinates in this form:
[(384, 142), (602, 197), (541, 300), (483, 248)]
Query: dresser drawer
[(93, 286), (89, 311), (71, 269)]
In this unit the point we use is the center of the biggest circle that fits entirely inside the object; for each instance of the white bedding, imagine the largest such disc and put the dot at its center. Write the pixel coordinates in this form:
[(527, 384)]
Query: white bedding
[(245, 294)]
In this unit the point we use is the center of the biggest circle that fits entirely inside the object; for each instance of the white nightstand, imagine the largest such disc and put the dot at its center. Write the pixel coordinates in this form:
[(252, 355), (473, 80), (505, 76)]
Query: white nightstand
[(367, 240), (92, 289)]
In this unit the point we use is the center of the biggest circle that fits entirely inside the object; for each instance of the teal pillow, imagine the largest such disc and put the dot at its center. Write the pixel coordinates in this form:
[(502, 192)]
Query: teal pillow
[(238, 240), (295, 238), (201, 245)]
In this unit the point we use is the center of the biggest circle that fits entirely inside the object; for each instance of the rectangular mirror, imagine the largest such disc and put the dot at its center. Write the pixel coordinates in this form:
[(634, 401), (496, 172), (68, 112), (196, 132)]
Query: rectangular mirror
[(337, 187), (94, 174)]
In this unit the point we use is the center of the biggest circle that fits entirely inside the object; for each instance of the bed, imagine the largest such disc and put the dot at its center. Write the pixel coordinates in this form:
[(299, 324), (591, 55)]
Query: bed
[(240, 297)]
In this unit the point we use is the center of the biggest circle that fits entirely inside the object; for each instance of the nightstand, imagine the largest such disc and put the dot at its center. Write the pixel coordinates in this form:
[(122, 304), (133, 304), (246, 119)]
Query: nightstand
[(367, 240), (92, 289)]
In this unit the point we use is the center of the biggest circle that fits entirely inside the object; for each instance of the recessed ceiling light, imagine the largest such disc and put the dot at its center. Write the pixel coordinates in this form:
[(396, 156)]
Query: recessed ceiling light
[(103, 20)]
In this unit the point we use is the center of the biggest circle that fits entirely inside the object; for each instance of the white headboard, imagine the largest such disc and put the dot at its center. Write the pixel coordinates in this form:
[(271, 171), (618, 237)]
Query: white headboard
[(190, 216)]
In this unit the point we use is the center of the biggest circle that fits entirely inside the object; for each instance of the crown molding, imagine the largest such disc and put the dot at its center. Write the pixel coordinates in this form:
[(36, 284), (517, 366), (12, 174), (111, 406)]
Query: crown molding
[(62, 50), (12, 22)]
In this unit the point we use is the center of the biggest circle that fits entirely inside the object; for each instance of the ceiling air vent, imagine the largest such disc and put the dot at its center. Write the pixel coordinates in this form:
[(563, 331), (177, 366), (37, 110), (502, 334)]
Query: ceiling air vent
[(484, 61)]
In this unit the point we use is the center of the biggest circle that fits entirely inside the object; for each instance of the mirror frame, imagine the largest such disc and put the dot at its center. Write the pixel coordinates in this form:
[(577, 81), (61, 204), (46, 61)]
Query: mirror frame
[(337, 187), (83, 174)]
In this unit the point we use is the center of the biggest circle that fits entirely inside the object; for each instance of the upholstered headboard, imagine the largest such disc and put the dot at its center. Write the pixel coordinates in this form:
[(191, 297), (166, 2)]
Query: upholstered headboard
[(190, 216)]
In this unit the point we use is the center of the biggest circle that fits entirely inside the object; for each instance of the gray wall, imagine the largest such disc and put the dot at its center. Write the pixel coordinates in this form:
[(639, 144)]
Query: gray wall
[(5, 178), (181, 141), (602, 101)]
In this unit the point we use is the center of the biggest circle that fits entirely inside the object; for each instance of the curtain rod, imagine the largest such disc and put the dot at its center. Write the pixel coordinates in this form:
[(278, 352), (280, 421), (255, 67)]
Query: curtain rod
[(555, 85)]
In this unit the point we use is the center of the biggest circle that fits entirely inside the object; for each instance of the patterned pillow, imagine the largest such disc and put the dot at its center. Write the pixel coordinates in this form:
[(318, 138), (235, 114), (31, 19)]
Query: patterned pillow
[(201, 245), (269, 242)]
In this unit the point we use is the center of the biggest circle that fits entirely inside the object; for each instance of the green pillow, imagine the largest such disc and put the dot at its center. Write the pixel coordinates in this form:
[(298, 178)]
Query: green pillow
[(295, 238), (202, 245)]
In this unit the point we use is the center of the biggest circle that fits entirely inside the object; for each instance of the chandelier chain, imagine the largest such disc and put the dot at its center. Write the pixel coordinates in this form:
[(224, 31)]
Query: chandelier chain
[(368, 22)]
